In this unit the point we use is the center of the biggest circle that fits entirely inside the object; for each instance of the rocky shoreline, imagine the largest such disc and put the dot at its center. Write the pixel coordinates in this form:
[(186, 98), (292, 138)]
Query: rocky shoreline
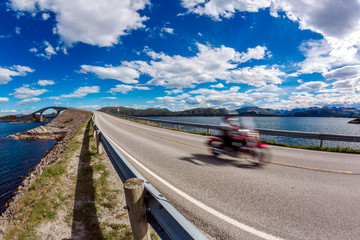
[(355, 121), (62, 128)]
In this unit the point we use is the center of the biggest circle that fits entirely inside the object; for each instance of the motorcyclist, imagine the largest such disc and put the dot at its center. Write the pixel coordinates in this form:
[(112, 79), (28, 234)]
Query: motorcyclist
[(229, 126)]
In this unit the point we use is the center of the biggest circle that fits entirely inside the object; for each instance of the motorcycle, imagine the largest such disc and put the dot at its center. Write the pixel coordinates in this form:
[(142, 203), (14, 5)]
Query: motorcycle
[(244, 144)]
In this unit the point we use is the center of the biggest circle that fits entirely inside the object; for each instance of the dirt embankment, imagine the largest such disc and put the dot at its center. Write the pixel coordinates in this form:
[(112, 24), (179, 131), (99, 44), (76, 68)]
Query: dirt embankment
[(62, 129)]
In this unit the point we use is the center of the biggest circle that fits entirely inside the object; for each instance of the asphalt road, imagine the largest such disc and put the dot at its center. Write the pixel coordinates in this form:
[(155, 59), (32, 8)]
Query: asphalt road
[(302, 195)]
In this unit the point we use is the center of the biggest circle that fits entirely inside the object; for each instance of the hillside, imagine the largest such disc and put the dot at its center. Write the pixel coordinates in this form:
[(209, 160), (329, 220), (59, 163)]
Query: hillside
[(256, 111), (9, 118)]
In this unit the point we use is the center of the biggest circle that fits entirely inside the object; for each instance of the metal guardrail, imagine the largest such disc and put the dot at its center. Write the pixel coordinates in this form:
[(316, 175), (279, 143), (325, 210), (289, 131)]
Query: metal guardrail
[(293, 134), (162, 216)]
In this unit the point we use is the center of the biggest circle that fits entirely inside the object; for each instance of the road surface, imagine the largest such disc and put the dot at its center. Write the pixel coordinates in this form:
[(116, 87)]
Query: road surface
[(303, 195)]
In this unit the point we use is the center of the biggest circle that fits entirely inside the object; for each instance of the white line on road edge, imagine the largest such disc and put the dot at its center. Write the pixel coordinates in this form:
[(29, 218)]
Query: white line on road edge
[(200, 204)]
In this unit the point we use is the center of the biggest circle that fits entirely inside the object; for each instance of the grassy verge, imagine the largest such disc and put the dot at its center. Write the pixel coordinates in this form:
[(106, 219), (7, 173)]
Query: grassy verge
[(317, 148), (79, 197)]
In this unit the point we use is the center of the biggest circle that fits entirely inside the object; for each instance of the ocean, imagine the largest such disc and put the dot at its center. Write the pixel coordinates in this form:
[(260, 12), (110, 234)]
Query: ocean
[(17, 157)]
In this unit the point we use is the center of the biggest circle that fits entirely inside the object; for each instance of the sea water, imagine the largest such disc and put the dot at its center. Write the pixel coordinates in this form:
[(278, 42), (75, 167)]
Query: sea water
[(17, 157)]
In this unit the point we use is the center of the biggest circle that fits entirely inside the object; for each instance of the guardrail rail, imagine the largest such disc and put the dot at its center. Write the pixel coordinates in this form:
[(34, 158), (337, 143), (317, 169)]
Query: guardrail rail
[(293, 134), (167, 222)]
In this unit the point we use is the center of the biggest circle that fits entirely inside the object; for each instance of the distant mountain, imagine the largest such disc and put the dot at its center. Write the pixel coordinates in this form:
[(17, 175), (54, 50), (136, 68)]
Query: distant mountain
[(203, 112), (256, 111), (295, 110), (9, 118), (26, 118), (245, 111), (328, 112), (164, 112)]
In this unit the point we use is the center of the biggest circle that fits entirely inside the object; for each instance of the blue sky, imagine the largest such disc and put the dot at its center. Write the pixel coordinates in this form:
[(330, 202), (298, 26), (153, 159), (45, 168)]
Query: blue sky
[(179, 54)]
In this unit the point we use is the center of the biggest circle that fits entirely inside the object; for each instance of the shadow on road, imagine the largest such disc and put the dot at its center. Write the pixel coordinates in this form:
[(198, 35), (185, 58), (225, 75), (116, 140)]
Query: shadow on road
[(200, 159), (85, 221)]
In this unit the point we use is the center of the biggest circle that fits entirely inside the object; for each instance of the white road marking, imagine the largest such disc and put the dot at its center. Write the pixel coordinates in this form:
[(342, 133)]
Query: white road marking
[(198, 203)]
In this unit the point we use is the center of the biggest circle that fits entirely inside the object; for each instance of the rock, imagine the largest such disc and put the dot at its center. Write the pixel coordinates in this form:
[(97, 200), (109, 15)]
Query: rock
[(356, 121)]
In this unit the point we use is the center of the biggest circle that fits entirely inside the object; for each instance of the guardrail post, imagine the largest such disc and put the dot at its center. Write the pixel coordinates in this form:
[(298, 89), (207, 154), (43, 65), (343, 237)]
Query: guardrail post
[(135, 200), (208, 131), (178, 126), (94, 130), (98, 147), (321, 143)]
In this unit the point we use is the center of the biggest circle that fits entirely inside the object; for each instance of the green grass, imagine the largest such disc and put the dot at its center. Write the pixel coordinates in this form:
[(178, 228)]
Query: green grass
[(317, 148)]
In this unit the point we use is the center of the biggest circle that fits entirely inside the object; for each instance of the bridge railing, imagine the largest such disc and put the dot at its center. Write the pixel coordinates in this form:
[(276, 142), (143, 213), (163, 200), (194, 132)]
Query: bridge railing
[(293, 134), (161, 215)]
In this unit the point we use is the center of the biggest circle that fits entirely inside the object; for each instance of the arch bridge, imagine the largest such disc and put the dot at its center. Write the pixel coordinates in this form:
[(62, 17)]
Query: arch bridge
[(41, 111)]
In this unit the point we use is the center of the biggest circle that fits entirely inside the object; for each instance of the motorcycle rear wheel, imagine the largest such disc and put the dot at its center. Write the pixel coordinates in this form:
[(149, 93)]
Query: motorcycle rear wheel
[(214, 146), (257, 156)]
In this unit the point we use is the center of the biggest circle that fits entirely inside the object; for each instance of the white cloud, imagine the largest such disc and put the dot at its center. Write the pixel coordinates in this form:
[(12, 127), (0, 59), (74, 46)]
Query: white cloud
[(220, 8), (230, 98), (23, 5), (3, 99), (123, 74), (258, 52), (45, 16), (305, 100), (81, 92), (256, 76), (22, 70), (328, 17), (315, 85), (28, 101), (17, 70), (209, 64), (219, 85), (168, 30), (45, 82), (48, 50), (322, 56), (24, 92), (9, 111), (174, 91), (348, 85), (17, 30), (268, 88), (203, 91), (33, 50), (343, 72), (168, 99), (112, 98), (95, 22), (337, 21), (94, 107), (124, 89)]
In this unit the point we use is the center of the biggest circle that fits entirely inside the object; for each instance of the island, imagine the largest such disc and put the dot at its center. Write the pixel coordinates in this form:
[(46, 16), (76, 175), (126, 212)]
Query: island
[(355, 121)]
